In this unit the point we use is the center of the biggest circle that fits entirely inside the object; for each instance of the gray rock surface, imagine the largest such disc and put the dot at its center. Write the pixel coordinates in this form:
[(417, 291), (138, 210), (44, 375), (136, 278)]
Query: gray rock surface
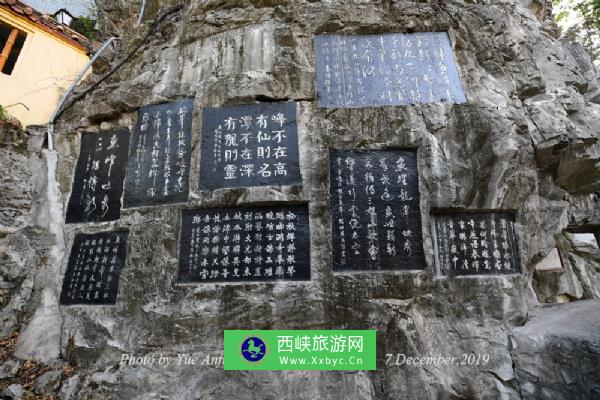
[(41, 339), (48, 380), (557, 353), (68, 388), (576, 280), (9, 369), (24, 241), (13, 391), (533, 107)]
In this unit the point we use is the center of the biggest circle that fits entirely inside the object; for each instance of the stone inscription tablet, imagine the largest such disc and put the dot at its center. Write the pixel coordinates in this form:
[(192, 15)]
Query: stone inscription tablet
[(375, 207), (159, 163), (99, 173), (245, 244), (388, 69), (94, 268), (250, 145), (482, 243)]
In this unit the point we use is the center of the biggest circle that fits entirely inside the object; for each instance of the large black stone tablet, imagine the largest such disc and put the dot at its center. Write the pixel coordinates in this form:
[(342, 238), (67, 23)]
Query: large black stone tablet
[(387, 69), (94, 268), (245, 244), (99, 173), (375, 210), (159, 164), (250, 145), (476, 243)]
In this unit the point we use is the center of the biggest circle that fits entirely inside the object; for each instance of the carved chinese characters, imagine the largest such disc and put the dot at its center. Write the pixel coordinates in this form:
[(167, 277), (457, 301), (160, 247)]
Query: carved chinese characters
[(94, 268), (482, 243), (245, 244), (98, 181), (249, 145), (388, 69), (159, 163), (376, 217)]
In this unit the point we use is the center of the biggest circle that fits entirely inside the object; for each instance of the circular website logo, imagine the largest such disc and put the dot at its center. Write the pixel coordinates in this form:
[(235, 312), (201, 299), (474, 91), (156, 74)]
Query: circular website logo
[(253, 349)]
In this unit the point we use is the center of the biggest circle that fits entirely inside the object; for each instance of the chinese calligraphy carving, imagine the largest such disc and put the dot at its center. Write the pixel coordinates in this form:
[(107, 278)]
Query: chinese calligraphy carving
[(250, 145), (482, 243), (98, 182), (95, 264), (375, 207), (159, 164), (388, 69), (245, 244), (226, 53)]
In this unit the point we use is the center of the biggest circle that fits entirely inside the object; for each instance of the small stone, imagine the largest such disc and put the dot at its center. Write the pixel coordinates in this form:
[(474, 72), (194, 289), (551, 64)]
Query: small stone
[(9, 369), (50, 378), (68, 387), (14, 391)]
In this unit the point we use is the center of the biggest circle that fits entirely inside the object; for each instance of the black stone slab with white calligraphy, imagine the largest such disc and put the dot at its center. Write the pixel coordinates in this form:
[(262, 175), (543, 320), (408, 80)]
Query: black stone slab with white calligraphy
[(159, 163), (250, 145), (245, 244), (94, 268), (375, 207), (480, 243), (388, 69), (99, 173)]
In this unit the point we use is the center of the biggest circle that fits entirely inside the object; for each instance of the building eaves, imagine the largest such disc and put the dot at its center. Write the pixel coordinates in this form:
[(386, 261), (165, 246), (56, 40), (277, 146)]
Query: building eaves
[(49, 24)]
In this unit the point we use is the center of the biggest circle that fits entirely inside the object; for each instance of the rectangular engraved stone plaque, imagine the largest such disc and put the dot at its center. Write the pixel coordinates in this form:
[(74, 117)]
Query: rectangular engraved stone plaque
[(375, 210), (476, 243), (245, 244), (159, 163), (387, 69), (95, 264), (250, 145), (98, 182)]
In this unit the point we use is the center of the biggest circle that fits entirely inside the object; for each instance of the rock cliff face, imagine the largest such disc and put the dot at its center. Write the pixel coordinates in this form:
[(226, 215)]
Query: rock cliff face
[(526, 140), (554, 352)]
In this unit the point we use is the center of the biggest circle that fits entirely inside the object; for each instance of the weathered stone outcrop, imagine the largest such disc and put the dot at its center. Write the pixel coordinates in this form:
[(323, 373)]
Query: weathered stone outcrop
[(577, 280), (526, 140)]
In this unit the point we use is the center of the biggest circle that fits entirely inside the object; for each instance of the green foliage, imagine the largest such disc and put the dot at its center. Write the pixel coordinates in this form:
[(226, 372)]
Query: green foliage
[(8, 123), (579, 21), (561, 15), (590, 37), (85, 26), (7, 118), (3, 114), (590, 10)]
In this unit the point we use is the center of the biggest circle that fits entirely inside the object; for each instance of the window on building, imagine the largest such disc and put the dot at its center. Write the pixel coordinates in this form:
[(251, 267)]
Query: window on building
[(11, 44), (64, 17)]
